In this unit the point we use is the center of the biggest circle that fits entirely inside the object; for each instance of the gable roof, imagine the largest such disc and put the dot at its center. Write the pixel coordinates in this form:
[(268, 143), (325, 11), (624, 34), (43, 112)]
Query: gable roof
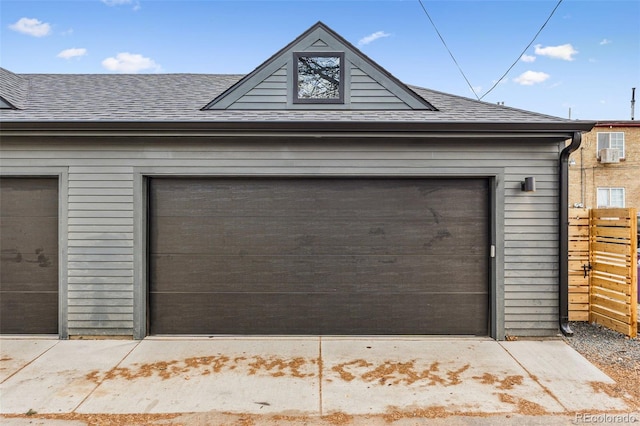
[(175, 101), (179, 97), (274, 76)]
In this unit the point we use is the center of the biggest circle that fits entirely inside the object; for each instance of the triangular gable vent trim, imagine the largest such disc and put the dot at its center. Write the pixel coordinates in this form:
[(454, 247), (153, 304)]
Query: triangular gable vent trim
[(319, 43), (270, 85)]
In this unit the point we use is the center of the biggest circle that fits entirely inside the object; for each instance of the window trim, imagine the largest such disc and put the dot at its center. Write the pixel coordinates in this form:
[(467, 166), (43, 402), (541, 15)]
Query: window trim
[(339, 99), (622, 151), (609, 189)]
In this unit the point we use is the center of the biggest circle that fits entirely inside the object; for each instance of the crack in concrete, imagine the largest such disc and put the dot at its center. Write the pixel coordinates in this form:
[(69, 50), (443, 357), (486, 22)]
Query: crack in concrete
[(101, 381), (30, 362), (535, 379)]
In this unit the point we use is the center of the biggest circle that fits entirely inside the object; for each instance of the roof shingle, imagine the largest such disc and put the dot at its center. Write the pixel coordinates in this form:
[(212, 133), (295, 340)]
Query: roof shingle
[(180, 97)]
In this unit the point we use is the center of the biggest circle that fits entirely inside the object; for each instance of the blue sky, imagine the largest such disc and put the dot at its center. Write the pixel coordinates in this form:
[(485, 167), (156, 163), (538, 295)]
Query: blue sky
[(586, 59)]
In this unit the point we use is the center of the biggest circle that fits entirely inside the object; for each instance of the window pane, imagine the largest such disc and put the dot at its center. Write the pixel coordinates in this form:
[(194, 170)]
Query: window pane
[(617, 141), (617, 197), (603, 197), (617, 137), (603, 141), (318, 77)]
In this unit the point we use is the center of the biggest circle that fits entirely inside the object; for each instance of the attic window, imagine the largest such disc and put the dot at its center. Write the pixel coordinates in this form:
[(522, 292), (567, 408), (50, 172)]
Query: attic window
[(318, 78)]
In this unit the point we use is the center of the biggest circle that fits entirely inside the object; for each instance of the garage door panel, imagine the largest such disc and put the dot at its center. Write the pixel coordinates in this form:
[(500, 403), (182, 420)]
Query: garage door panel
[(31, 197), (286, 313), (38, 316), (316, 273), (30, 277), (293, 235), (291, 197), (29, 254), (21, 232), (319, 256)]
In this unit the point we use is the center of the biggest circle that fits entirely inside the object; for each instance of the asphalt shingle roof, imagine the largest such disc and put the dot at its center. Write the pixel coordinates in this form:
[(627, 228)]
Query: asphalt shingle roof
[(180, 97)]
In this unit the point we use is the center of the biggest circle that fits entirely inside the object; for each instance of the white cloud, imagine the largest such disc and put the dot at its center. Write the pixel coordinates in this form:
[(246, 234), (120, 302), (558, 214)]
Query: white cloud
[(125, 62), (605, 41), (372, 37), (529, 78), (32, 27), (564, 51), (135, 3), (72, 53), (528, 58)]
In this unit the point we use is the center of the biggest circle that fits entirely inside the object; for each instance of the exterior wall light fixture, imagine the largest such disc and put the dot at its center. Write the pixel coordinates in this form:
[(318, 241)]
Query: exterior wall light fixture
[(529, 184)]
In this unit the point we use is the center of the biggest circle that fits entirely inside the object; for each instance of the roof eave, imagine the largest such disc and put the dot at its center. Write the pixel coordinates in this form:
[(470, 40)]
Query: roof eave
[(310, 127)]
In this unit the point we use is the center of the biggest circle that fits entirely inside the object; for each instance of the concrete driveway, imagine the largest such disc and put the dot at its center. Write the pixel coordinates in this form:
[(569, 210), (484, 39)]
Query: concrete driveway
[(309, 376)]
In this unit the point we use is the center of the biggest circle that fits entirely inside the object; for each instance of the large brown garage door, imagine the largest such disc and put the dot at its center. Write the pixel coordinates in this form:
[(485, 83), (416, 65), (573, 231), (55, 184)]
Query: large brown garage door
[(319, 256), (29, 257)]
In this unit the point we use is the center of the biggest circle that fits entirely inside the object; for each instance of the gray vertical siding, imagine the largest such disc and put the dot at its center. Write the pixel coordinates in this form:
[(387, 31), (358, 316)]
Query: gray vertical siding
[(100, 263)]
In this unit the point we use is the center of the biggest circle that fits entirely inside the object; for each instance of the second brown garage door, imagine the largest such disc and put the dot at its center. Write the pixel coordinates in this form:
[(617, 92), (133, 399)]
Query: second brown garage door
[(319, 256), (29, 255)]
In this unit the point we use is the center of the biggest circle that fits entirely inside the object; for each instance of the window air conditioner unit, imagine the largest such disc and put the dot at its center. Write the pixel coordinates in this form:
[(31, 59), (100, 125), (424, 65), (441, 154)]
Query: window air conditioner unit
[(609, 155)]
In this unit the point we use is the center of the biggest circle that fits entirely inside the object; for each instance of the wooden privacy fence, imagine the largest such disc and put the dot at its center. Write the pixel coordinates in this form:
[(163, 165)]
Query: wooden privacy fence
[(607, 271), (578, 265)]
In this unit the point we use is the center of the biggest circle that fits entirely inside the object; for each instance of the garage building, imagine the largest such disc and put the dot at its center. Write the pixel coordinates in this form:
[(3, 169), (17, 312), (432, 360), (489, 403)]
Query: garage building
[(316, 195)]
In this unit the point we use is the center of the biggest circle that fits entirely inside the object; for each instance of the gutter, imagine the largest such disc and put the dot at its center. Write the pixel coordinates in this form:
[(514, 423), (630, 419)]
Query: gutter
[(563, 291), (557, 130)]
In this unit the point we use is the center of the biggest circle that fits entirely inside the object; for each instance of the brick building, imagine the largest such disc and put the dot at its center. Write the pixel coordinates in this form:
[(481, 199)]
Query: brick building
[(605, 171)]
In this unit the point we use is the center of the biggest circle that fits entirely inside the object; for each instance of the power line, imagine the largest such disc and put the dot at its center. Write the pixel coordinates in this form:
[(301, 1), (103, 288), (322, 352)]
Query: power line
[(523, 51), (512, 65), (447, 47)]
